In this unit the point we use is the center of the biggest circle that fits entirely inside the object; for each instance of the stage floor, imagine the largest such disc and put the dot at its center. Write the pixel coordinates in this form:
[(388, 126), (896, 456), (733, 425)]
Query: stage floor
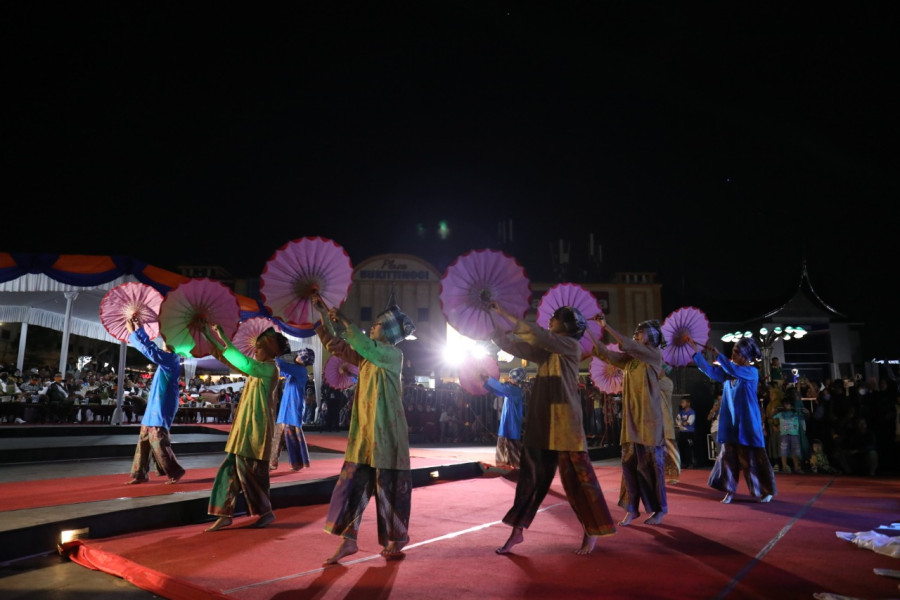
[(703, 549)]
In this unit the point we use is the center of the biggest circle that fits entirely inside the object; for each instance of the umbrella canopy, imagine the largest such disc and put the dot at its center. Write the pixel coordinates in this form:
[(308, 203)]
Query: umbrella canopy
[(127, 300), (606, 377), (247, 331), (571, 294), (473, 281), (340, 374), (681, 326), (301, 269), (470, 371), (188, 309)]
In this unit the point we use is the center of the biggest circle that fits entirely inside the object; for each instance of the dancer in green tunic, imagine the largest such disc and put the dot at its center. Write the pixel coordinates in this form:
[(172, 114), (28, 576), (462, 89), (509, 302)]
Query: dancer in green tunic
[(377, 458), (246, 465)]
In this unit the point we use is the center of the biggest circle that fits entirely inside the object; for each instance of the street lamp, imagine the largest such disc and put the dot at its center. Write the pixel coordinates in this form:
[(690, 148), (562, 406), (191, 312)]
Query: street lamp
[(767, 339)]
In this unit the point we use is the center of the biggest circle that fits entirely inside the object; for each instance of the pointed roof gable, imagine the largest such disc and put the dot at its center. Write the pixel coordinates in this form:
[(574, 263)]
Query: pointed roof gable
[(805, 303)]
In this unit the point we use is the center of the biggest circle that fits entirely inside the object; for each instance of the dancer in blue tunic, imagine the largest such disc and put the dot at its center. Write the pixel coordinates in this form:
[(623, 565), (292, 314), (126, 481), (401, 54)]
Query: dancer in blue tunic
[(509, 436), (743, 445), (162, 404), (289, 424)]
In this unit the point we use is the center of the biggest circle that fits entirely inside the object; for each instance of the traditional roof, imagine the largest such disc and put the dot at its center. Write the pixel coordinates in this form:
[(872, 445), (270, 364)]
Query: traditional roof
[(804, 304)]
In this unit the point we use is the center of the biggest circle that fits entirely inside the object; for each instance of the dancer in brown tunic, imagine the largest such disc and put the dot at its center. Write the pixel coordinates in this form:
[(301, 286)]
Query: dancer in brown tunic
[(554, 434)]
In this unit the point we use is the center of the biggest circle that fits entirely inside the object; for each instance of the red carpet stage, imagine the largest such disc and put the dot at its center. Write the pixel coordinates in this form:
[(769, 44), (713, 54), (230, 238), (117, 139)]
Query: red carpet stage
[(703, 549), (153, 534)]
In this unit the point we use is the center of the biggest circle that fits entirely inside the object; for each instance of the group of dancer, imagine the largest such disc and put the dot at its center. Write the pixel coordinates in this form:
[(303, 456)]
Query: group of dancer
[(377, 462)]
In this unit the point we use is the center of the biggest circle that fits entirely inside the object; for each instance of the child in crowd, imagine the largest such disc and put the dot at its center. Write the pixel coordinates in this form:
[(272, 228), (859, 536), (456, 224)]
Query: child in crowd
[(818, 462), (789, 427)]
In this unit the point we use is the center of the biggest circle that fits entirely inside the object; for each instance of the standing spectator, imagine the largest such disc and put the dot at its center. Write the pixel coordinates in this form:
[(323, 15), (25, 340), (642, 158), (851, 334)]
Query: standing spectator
[(857, 452), (740, 423), (509, 435), (289, 424), (789, 427), (162, 404), (249, 446), (377, 457), (554, 437), (687, 427)]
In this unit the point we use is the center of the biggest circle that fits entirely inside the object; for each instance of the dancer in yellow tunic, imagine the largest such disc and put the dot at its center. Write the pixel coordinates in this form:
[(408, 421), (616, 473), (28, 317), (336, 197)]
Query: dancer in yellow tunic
[(246, 465)]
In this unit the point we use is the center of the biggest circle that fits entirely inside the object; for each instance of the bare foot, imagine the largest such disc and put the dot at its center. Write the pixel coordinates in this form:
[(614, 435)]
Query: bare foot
[(172, 480), (346, 548), (516, 537), (766, 499), (728, 498), (629, 517), (135, 480), (219, 524), (393, 550), (264, 520), (587, 544), (655, 519)]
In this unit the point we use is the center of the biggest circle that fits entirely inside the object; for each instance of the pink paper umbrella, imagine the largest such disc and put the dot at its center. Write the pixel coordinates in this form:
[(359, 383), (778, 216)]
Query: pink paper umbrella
[(127, 300), (190, 307), (300, 269), (340, 374), (473, 281), (247, 331), (606, 377), (571, 294), (470, 370), (679, 327)]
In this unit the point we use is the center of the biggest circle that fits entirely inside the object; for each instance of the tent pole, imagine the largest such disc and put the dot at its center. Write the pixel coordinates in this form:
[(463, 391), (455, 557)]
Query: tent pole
[(64, 350)]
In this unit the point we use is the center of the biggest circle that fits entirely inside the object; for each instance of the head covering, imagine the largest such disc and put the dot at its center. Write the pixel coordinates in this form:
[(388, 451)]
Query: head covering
[(654, 332), (395, 325), (573, 320), (281, 342), (749, 348), (307, 356), (517, 375)]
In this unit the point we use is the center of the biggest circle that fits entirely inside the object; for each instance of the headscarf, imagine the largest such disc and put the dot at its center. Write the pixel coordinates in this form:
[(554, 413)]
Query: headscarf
[(307, 356), (654, 332), (573, 320), (395, 325), (517, 375)]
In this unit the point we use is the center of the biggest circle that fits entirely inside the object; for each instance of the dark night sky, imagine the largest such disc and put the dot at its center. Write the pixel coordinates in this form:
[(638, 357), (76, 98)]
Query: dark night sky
[(717, 147)]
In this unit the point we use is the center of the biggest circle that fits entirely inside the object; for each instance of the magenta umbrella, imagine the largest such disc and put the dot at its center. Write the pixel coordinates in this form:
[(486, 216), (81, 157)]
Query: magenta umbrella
[(340, 374), (193, 305), (300, 269), (125, 301), (248, 331), (608, 378), (571, 294), (473, 281), (470, 370), (681, 326)]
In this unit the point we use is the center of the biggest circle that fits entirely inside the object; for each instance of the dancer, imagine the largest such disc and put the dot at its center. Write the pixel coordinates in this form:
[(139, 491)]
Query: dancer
[(673, 457), (289, 424), (643, 426), (377, 457), (554, 437), (740, 436), (162, 404), (509, 444), (246, 465)]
